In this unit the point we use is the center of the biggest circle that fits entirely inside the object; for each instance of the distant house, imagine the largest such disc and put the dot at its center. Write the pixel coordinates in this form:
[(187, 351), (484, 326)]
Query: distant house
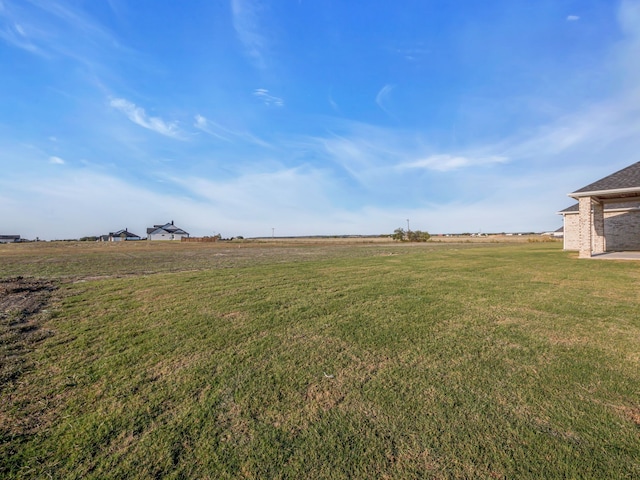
[(168, 231), (555, 234), (607, 215), (9, 238), (119, 236)]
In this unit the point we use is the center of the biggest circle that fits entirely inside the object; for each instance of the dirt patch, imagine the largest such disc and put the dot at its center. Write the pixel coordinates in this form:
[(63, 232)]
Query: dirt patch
[(23, 304), (630, 413)]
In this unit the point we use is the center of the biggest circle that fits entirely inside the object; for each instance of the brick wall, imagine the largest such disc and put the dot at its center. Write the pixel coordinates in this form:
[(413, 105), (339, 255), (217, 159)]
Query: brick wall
[(621, 230), (571, 234)]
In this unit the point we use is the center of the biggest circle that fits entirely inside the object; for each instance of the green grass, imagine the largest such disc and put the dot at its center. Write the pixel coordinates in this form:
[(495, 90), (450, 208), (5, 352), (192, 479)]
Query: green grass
[(331, 361)]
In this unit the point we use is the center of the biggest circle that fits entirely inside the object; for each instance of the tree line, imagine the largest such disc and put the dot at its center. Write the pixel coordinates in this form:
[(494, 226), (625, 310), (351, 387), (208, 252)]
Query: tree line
[(410, 235)]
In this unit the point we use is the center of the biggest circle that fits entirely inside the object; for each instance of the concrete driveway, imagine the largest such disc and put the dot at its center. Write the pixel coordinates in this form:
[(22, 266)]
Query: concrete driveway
[(618, 256)]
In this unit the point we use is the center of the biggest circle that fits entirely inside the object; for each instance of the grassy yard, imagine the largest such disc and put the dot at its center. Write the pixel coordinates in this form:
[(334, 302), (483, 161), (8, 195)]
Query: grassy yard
[(323, 361)]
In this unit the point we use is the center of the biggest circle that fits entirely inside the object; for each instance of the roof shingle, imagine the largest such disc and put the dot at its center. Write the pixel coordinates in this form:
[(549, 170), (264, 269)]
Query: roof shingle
[(628, 177)]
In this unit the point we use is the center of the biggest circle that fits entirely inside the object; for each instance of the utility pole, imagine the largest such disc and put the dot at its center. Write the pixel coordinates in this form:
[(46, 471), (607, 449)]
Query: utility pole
[(408, 230), (273, 232)]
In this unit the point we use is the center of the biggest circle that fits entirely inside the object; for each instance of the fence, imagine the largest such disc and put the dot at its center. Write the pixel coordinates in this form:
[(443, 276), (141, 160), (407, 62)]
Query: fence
[(200, 239)]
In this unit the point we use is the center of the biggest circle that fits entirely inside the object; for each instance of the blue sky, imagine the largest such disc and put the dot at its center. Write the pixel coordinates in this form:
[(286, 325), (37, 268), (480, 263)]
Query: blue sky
[(310, 117)]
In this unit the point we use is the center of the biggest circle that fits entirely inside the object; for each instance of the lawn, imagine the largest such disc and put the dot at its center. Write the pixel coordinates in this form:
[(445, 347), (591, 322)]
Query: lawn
[(321, 360)]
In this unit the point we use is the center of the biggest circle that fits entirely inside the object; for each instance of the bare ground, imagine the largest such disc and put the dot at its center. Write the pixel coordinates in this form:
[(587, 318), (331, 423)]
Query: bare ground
[(23, 304)]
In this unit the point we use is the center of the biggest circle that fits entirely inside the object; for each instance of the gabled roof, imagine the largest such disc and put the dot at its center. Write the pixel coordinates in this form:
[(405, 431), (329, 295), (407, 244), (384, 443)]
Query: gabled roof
[(126, 233), (571, 209), (166, 228), (626, 180)]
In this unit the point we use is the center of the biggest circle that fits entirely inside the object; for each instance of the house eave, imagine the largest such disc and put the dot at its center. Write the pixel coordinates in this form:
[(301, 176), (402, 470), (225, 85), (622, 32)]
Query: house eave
[(607, 210), (617, 192)]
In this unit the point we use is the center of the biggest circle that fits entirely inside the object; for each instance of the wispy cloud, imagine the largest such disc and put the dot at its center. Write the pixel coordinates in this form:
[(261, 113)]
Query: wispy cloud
[(588, 131), (447, 162), (51, 28), (138, 116), (226, 134), (246, 22), (334, 105), (317, 174), (268, 99), (363, 152), (374, 155), (413, 53), (15, 32), (212, 128), (382, 98)]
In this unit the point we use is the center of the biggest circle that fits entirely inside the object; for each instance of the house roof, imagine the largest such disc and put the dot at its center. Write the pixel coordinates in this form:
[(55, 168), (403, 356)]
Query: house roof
[(571, 209), (166, 228), (623, 181), (125, 231)]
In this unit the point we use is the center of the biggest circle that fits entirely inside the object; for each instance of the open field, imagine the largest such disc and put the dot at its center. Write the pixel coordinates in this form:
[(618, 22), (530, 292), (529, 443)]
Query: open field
[(317, 360), (68, 260)]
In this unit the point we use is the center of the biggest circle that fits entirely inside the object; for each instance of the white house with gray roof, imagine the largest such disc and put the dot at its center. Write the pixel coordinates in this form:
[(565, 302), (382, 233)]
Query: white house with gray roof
[(607, 215), (119, 236), (9, 238), (168, 231)]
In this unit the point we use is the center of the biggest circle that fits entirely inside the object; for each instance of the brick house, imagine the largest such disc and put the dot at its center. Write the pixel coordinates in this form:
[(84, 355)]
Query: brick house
[(607, 215)]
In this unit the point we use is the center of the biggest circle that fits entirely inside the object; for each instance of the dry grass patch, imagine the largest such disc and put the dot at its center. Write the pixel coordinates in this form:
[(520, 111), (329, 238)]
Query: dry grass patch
[(631, 413)]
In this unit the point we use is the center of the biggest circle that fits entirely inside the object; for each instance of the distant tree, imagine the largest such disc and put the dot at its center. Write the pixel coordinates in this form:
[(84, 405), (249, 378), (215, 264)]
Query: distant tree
[(410, 235), (398, 234), (418, 236)]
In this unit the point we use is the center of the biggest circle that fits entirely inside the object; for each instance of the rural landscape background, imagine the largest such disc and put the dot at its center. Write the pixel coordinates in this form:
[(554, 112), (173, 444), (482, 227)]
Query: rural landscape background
[(317, 359), (263, 354)]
